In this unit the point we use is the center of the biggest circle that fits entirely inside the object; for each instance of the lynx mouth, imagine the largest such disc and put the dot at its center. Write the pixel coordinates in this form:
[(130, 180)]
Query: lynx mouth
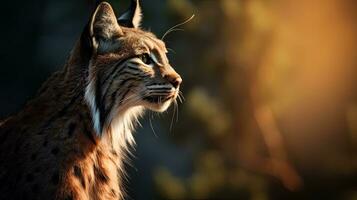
[(159, 103), (158, 99)]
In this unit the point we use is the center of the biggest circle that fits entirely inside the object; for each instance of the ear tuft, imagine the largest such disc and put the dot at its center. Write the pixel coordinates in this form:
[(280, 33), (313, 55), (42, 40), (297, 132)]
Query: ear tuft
[(132, 17), (104, 26)]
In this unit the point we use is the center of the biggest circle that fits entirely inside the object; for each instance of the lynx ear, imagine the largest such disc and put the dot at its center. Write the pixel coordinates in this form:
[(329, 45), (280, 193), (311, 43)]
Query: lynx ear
[(104, 27), (132, 17)]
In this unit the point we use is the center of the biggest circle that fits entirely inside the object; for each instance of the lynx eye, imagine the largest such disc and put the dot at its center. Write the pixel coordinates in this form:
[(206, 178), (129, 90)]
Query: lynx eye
[(146, 58)]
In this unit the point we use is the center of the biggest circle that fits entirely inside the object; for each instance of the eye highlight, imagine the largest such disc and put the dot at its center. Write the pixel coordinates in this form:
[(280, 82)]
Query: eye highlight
[(146, 58)]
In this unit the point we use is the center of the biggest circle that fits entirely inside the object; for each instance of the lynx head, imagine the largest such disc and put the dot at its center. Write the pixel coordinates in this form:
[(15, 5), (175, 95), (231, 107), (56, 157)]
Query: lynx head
[(128, 67)]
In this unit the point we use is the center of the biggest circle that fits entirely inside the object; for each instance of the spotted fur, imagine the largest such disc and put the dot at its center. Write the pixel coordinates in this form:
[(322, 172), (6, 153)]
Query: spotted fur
[(70, 141)]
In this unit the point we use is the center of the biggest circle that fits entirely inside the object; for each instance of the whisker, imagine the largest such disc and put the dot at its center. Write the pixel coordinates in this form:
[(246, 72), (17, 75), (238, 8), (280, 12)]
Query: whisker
[(173, 51), (181, 95), (172, 118), (152, 127), (170, 31), (177, 114), (176, 26)]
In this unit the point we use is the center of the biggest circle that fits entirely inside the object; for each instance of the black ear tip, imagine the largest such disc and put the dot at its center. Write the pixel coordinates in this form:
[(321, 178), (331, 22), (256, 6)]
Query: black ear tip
[(97, 2), (132, 17), (134, 5)]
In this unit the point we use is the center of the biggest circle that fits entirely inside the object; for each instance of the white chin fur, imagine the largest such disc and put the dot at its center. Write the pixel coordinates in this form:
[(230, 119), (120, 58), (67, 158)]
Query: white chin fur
[(158, 107)]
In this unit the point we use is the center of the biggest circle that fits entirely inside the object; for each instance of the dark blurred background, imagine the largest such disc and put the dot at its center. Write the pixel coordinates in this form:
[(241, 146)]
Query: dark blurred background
[(270, 108)]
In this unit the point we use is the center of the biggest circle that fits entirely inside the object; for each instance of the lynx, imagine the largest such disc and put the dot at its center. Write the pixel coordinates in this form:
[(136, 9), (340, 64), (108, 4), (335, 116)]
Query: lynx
[(71, 140)]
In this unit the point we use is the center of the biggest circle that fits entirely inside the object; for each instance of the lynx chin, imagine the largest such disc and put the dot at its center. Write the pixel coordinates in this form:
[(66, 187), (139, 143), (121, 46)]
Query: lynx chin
[(71, 140)]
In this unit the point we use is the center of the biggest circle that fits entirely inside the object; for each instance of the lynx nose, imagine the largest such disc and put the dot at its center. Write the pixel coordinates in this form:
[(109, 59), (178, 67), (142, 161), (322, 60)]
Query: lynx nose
[(175, 81)]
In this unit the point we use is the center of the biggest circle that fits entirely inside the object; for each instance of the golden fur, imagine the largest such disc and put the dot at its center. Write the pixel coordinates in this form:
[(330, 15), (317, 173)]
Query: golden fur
[(70, 141)]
